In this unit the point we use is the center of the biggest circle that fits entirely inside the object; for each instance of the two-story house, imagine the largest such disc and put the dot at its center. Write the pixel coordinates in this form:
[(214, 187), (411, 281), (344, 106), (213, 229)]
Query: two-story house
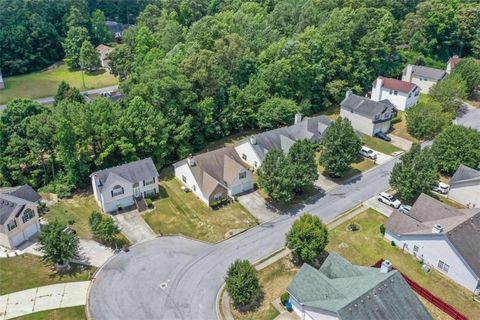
[(126, 185), (214, 175), (401, 94), (367, 116), (423, 77), (19, 220)]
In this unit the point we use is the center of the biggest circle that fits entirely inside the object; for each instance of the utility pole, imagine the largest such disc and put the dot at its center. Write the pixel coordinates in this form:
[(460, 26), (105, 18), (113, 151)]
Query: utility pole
[(83, 79)]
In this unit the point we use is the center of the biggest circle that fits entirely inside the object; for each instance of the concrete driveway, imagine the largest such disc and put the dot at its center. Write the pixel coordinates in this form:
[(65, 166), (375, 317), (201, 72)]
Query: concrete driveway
[(257, 206), (379, 206), (93, 253), (401, 143), (55, 296), (134, 227), (382, 158), (468, 117)]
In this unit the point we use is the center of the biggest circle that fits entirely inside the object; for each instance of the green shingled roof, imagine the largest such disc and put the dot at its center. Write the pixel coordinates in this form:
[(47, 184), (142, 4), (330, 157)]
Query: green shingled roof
[(356, 292)]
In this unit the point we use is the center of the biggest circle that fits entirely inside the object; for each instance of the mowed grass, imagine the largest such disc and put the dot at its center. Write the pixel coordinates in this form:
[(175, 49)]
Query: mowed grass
[(274, 280), (179, 212), (75, 211), (44, 83), (379, 145), (360, 165), (72, 313), (28, 271), (351, 245)]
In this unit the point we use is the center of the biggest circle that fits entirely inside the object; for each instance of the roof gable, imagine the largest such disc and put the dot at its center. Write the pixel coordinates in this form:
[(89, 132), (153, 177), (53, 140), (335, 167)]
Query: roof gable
[(395, 84), (367, 107), (465, 174)]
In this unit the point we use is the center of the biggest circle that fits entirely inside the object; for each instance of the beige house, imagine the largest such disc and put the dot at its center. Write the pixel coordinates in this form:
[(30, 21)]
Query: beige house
[(19, 220), (423, 77), (104, 51), (465, 187)]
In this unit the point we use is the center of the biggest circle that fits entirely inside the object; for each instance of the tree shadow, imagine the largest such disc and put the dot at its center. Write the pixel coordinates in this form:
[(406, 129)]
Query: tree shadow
[(252, 306)]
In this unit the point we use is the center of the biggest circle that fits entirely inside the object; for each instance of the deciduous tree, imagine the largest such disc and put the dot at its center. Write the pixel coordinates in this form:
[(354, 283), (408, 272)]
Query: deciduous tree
[(450, 92), (426, 119), (57, 244), (72, 44), (89, 57), (276, 112), (242, 283), (307, 237)]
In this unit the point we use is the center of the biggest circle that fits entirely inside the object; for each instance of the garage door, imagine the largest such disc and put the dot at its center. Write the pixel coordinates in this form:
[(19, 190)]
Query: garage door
[(31, 231), (236, 189), (17, 240), (247, 186)]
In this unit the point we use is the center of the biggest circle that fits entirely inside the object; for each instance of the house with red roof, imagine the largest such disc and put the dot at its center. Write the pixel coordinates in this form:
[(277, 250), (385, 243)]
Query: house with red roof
[(401, 94)]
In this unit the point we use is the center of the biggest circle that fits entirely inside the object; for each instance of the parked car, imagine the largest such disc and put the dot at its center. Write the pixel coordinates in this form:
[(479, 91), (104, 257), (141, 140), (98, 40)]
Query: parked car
[(441, 188), (383, 136), (389, 200), (368, 153), (404, 208)]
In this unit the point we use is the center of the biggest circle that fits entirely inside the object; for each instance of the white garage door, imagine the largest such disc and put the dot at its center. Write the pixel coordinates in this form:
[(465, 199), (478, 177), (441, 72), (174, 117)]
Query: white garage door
[(31, 231), (17, 240)]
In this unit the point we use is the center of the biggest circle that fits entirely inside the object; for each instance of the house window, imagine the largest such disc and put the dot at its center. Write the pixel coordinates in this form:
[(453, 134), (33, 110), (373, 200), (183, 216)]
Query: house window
[(194, 188), (149, 182), (244, 156), (11, 225), (390, 91), (395, 92), (27, 215), (242, 175), (218, 196), (117, 190), (184, 179), (410, 95), (443, 266), (255, 164), (415, 249), (149, 193)]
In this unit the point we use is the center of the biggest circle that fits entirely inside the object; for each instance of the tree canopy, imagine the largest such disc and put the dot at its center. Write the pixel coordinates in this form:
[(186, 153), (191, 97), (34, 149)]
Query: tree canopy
[(58, 245), (242, 283), (426, 119)]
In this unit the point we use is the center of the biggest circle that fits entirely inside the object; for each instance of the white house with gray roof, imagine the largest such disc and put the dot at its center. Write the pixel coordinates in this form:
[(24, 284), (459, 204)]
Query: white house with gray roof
[(253, 149), (19, 220), (125, 186), (214, 175), (340, 290), (441, 236), (465, 187), (367, 116), (423, 77)]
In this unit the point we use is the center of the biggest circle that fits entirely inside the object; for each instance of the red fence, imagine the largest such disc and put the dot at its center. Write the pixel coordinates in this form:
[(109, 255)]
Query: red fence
[(437, 302)]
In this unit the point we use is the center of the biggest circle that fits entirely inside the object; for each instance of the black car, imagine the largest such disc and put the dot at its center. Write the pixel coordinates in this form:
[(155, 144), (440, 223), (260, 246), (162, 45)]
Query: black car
[(383, 136)]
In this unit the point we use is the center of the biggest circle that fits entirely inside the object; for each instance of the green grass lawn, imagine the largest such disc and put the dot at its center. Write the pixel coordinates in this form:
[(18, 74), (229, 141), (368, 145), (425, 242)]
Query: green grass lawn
[(360, 165), (72, 313), (178, 212), (379, 145), (28, 271), (44, 83), (274, 280), (351, 245)]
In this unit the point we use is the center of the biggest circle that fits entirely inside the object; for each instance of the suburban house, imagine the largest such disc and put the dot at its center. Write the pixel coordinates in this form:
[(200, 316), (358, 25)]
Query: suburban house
[(19, 219), (340, 290), (104, 51), (126, 185), (440, 236), (401, 94), (214, 175), (367, 116), (116, 29), (253, 149), (423, 77), (465, 187)]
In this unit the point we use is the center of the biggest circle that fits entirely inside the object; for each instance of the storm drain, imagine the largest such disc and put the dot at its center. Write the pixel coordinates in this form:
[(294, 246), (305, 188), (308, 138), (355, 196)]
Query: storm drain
[(163, 285)]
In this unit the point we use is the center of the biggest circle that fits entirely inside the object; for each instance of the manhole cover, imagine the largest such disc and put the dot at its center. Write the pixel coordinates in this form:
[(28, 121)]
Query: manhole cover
[(163, 285)]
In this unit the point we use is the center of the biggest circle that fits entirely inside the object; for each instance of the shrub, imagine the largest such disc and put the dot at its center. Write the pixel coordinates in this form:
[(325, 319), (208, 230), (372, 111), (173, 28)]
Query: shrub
[(382, 229), (284, 298), (392, 243), (149, 202), (242, 283), (103, 227)]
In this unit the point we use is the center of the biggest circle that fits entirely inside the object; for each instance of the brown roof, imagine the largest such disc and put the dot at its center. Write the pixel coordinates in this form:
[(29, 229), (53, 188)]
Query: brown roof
[(103, 48), (453, 61), (396, 84)]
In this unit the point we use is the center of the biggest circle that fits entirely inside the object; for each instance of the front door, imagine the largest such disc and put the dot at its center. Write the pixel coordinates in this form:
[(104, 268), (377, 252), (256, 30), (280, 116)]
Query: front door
[(136, 190)]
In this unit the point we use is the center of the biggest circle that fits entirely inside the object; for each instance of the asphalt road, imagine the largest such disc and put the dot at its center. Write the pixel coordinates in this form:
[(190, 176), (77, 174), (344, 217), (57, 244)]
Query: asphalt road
[(469, 117), (132, 284)]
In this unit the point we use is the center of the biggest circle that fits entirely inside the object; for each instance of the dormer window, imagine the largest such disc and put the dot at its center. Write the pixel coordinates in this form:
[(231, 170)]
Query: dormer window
[(11, 225), (27, 215), (117, 190)]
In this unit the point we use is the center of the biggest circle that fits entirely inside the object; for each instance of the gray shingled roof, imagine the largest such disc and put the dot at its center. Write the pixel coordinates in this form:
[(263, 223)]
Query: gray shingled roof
[(12, 198), (355, 292), (367, 107), (427, 72), (134, 171), (465, 174)]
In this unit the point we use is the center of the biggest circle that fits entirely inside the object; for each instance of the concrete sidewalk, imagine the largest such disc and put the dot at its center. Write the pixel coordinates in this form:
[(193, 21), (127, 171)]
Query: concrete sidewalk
[(62, 295)]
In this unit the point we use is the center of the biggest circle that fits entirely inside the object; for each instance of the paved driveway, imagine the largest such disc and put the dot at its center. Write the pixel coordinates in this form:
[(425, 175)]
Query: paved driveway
[(469, 117), (257, 206), (55, 296), (134, 227), (400, 142)]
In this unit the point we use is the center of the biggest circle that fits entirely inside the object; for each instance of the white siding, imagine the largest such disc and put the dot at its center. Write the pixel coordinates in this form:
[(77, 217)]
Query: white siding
[(241, 185), (435, 247), (191, 183), (401, 100), (119, 201), (359, 123), (246, 149), (468, 195), (424, 85)]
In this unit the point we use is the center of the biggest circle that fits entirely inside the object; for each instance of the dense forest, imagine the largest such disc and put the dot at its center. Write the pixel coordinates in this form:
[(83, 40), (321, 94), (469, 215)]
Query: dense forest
[(195, 71)]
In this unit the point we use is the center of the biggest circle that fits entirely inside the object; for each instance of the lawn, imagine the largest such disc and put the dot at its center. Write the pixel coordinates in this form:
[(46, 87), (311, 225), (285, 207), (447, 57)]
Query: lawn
[(360, 165), (351, 245), (379, 145), (74, 211), (28, 271), (72, 313), (399, 126), (44, 83), (178, 212), (274, 280)]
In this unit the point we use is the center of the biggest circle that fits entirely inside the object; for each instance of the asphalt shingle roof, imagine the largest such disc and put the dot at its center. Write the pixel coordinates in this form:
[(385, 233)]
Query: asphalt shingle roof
[(12, 198), (396, 84), (367, 107), (427, 72), (465, 174), (355, 292)]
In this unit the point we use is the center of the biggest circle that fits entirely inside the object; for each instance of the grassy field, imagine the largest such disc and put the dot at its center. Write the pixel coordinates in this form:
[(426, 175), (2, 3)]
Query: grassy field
[(72, 313), (400, 128), (28, 271), (178, 212), (351, 245), (74, 211), (44, 83), (274, 280), (379, 145), (360, 165)]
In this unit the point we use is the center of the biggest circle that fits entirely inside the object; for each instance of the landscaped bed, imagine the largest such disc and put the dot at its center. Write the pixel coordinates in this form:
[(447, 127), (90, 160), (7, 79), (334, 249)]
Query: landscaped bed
[(28, 271), (179, 212), (45, 83), (72, 313)]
